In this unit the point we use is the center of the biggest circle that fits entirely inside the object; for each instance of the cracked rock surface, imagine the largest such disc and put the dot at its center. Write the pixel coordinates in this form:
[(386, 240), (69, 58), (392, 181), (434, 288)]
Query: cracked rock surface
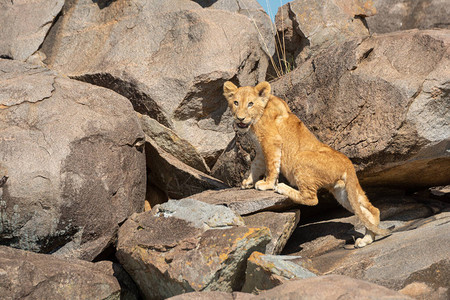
[(168, 253), (73, 154)]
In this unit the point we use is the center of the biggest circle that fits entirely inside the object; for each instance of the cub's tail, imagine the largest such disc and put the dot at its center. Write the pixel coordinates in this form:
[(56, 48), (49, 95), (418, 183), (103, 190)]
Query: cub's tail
[(352, 187)]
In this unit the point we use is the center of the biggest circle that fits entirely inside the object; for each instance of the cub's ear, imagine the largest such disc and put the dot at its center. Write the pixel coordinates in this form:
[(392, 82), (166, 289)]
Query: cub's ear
[(263, 89), (229, 89)]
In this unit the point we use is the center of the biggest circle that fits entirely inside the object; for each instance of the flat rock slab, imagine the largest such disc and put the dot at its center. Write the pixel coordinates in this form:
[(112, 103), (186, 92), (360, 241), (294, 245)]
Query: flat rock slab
[(419, 254), (245, 202), (200, 214), (330, 287), (251, 203), (339, 227), (28, 275), (268, 271), (167, 254), (281, 225)]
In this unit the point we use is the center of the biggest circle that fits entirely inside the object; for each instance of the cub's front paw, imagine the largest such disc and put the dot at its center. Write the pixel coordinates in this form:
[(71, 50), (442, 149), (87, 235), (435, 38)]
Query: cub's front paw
[(263, 185), (247, 184)]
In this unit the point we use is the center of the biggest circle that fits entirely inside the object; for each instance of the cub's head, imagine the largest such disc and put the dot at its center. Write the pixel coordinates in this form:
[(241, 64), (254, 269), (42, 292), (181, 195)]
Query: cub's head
[(246, 103)]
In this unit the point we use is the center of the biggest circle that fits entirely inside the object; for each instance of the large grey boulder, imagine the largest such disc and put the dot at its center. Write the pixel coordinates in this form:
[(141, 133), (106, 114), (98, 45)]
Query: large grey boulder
[(187, 245), (306, 26), (395, 15), (73, 153), (170, 58), (24, 25), (383, 102), (27, 275)]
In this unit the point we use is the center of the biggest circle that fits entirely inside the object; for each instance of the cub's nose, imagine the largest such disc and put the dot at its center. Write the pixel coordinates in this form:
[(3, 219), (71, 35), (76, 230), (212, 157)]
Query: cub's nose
[(240, 119)]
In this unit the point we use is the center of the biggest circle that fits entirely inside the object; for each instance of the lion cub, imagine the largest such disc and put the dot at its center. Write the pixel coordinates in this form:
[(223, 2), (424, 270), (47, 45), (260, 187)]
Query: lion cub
[(284, 144)]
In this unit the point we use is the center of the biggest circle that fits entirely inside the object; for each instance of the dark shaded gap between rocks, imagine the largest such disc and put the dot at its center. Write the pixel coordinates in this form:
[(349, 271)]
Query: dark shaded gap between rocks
[(141, 101)]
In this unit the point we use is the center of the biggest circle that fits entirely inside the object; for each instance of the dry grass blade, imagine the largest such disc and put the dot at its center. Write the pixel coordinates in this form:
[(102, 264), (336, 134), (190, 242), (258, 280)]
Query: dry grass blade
[(279, 61)]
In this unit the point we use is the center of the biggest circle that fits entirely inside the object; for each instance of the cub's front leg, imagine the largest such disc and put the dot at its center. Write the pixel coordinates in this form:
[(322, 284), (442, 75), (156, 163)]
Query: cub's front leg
[(257, 169), (271, 148)]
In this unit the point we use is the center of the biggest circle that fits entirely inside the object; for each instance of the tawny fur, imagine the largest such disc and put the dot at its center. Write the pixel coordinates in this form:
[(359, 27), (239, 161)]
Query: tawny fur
[(284, 144)]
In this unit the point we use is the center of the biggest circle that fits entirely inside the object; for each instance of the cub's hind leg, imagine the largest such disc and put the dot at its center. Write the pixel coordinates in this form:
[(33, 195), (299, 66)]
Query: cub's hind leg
[(371, 213), (305, 195)]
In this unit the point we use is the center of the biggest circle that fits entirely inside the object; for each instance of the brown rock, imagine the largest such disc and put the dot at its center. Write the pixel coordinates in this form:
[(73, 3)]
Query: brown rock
[(382, 108), (331, 287), (204, 296), (268, 271), (254, 11), (333, 229), (182, 253), (27, 275), (420, 290), (281, 225), (74, 157)]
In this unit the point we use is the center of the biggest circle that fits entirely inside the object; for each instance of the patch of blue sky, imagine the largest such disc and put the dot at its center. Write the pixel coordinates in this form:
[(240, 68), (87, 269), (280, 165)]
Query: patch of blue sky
[(271, 6)]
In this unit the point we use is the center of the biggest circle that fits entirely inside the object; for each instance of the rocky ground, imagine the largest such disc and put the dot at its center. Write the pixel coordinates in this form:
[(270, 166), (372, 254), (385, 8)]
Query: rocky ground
[(119, 167)]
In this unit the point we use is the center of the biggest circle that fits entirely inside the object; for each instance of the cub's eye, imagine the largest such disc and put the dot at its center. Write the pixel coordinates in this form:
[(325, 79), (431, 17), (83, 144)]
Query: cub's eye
[(236, 103), (250, 104)]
